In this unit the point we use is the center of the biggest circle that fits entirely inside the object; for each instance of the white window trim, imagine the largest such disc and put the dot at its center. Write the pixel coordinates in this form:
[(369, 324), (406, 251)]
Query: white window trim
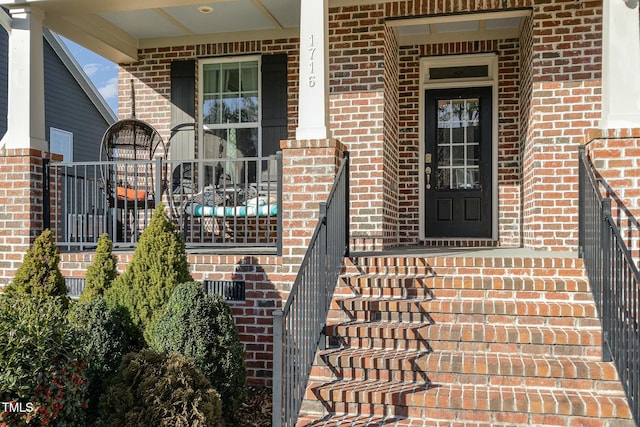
[(69, 137), (489, 59), (200, 120)]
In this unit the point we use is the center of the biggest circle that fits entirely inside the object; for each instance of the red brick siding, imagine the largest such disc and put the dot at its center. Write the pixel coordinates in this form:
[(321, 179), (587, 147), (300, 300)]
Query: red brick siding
[(308, 173), (359, 115), (565, 100), (390, 134), (616, 158), (21, 212)]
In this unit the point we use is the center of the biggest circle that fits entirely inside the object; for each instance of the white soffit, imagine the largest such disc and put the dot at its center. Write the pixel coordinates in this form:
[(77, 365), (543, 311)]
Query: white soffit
[(460, 27)]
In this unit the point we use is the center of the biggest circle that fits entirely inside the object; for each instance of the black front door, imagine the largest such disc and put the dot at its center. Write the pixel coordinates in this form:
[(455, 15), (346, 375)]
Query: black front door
[(458, 163)]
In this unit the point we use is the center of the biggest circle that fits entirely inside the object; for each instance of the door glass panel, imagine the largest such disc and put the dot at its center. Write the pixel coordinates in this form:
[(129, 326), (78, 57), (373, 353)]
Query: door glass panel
[(458, 144), (443, 178), (444, 156), (458, 156)]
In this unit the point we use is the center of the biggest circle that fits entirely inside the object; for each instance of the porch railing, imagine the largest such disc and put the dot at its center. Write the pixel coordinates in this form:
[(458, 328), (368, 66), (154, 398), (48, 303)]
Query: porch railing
[(298, 327), (213, 202), (614, 280)]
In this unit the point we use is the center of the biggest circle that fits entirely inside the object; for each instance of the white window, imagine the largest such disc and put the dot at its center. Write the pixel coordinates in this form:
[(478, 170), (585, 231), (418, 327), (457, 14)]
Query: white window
[(61, 142), (230, 108)]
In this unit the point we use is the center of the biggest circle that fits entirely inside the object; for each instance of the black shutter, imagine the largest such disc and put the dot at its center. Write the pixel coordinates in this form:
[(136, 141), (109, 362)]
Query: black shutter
[(183, 110), (274, 102)]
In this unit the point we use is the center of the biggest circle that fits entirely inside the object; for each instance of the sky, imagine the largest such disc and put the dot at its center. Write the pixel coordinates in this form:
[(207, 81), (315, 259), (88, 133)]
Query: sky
[(102, 72)]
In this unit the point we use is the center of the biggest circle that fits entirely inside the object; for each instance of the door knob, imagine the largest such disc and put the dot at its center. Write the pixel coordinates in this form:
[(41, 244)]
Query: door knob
[(427, 172)]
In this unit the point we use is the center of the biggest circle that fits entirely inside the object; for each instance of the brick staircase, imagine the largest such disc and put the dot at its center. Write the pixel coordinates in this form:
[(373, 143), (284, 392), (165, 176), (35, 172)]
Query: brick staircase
[(463, 341)]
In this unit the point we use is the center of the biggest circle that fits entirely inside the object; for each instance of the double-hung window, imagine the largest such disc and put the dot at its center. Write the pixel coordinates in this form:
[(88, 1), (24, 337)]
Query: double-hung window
[(231, 113)]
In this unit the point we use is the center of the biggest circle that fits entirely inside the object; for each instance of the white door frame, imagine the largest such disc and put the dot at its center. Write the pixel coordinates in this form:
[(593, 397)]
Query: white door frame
[(426, 83)]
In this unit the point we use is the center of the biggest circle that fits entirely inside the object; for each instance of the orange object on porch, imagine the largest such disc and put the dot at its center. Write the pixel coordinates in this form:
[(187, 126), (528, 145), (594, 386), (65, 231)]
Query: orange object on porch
[(130, 194)]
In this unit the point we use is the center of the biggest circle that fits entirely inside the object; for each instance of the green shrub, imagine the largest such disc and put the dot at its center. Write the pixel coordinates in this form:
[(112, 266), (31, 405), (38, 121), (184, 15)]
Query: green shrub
[(39, 273), (150, 389), (158, 265), (101, 272), (104, 340), (40, 362), (201, 328)]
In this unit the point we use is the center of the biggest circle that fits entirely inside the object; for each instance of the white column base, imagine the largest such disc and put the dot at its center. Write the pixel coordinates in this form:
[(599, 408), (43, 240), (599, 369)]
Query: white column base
[(620, 65), (311, 133)]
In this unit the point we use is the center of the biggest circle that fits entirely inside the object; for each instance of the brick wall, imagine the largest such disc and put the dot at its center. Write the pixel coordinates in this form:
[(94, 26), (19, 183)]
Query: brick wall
[(21, 211), (565, 100), (308, 173), (615, 155), (358, 116), (391, 201)]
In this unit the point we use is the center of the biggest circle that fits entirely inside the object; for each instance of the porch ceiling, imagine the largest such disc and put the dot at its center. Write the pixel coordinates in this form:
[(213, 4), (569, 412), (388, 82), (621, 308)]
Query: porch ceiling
[(116, 29), (460, 27)]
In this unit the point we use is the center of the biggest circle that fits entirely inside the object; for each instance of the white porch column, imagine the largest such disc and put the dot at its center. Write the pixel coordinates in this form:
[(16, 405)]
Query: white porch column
[(25, 118), (313, 101), (620, 65)]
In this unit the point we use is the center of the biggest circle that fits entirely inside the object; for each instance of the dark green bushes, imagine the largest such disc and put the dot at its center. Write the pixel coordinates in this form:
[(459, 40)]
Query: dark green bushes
[(201, 328), (39, 273), (104, 340), (159, 264), (40, 362), (151, 389), (102, 271)]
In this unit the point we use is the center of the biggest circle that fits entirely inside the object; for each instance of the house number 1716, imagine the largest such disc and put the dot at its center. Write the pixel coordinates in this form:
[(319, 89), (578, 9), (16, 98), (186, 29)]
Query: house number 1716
[(312, 50)]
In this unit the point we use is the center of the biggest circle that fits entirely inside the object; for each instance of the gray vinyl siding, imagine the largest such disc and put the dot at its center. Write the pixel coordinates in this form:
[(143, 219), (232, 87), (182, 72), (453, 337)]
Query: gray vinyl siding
[(67, 106)]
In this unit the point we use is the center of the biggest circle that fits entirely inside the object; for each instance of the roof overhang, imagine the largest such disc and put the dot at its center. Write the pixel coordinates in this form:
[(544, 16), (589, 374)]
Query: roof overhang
[(460, 27)]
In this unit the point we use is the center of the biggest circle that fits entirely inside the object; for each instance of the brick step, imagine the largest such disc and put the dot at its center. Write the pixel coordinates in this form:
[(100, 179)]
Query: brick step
[(349, 420), (468, 337), (333, 420), (464, 282), (498, 368), (577, 313), (478, 271), (393, 264), (458, 419), (431, 401)]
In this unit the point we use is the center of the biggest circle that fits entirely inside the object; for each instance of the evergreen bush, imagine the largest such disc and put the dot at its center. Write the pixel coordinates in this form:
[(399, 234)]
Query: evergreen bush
[(104, 340), (158, 265), (39, 273), (201, 327), (41, 365), (150, 389), (101, 272)]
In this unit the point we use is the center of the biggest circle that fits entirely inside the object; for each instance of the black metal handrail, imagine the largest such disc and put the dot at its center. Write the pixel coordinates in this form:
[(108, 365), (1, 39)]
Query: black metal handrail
[(614, 280), (298, 327)]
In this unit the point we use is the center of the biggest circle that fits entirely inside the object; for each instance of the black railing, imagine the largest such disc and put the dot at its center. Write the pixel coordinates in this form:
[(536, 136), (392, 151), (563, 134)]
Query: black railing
[(614, 280), (298, 327), (214, 202)]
